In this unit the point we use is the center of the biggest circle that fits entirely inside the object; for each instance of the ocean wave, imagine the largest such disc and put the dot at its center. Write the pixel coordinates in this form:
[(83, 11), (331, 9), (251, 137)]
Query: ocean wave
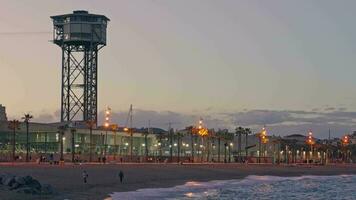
[(253, 187)]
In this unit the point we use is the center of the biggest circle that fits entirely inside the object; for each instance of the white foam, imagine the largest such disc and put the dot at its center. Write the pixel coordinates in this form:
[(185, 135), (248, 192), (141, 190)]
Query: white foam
[(198, 190)]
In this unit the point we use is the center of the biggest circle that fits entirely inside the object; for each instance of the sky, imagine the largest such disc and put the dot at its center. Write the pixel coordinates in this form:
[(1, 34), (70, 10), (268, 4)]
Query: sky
[(287, 65)]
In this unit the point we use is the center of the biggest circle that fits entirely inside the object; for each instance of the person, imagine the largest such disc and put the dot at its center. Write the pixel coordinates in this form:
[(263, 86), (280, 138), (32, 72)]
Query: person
[(85, 176), (121, 176)]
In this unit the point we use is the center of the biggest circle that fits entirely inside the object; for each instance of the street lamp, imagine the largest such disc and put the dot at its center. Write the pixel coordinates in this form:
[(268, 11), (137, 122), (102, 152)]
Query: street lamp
[(262, 140), (106, 126), (310, 141), (345, 143)]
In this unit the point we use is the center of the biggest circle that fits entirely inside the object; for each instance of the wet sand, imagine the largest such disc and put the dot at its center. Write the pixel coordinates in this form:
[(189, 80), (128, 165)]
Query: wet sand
[(103, 179)]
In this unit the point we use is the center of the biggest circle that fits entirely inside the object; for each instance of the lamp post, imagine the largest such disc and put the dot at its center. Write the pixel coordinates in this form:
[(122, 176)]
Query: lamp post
[(310, 141), (345, 143), (14, 125), (106, 126), (61, 130), (26, 119), (262, 140), (72, 130)]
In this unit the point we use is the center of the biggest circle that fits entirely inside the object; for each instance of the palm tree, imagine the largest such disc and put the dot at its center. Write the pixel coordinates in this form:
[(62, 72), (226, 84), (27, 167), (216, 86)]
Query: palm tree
[(14, 125), (191, 132), (26, 119), (219, 135), (160, 137), (247, 132), (179, 136), (239, 132)]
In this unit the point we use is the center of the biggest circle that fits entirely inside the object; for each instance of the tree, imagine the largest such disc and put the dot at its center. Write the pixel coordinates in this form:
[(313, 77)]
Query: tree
[(220, 135), (27, 118), (190, 129), (247, 132), (239, 132), (14, 125)]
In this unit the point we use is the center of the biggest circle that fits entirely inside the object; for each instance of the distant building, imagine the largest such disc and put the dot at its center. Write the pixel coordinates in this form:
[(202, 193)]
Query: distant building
[(3, 113)]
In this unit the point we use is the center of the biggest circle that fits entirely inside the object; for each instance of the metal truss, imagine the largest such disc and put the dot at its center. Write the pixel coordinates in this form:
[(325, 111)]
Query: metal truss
[(79, 82)]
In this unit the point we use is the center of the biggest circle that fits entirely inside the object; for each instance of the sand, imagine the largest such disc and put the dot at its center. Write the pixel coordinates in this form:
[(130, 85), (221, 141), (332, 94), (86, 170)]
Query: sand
[(103, 179)]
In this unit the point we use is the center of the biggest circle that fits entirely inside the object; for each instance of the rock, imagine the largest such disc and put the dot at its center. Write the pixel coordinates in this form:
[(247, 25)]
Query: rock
[(9, 180), (27, 190), (28, 179), (14, 186), (47, 189), (34, 184), (1, 177), (20, 180)]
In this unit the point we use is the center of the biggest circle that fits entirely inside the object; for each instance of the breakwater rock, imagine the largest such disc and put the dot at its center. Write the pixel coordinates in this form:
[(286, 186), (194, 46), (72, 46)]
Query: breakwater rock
[(26, 185)]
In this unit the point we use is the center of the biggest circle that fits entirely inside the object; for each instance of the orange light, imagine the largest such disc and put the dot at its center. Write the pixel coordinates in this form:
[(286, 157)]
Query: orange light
[(106, 124), (126, 129)]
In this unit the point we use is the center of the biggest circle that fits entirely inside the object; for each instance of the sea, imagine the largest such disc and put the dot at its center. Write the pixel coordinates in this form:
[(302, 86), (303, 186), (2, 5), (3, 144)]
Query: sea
[(254, 187)]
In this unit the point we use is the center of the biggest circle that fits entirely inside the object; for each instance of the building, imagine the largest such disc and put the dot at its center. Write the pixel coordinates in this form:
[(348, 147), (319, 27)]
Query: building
[(3, 113), (44, 139)]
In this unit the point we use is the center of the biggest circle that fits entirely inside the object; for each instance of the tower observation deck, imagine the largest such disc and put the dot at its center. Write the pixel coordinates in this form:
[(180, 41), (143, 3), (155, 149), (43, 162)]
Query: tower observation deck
[(80, 35)]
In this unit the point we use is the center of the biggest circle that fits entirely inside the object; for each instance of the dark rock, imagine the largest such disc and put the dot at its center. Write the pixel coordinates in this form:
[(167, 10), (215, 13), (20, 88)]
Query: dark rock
[(1, 177), (14, 186), (34, 184), (20, 180), (27, 190), (47, 189), (28, 179), (9, 180)]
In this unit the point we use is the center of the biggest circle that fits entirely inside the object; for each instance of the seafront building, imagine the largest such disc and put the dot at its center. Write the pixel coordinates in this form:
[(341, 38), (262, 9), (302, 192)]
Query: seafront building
[(44, 139)]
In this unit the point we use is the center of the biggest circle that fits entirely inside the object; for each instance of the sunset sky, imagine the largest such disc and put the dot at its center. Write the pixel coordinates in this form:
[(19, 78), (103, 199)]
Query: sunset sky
[(289, 65)]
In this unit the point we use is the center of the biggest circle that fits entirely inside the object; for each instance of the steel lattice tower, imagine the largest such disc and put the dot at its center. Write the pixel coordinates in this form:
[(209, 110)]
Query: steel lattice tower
[(80, 35)]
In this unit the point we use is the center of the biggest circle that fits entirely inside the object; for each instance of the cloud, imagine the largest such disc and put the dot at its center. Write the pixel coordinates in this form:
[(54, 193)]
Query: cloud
[(277, 122)]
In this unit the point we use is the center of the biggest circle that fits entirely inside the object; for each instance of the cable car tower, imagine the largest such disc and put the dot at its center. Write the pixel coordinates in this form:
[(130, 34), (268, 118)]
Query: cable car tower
[(80, 35)]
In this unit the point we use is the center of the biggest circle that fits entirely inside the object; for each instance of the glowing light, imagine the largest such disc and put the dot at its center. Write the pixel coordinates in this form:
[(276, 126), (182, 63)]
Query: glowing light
[(126, 144), (189, 194), (126, 129)]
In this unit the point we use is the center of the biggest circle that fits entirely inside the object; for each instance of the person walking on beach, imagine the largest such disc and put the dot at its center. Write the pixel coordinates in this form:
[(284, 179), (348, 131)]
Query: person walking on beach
[(85, 176), (121, 176)]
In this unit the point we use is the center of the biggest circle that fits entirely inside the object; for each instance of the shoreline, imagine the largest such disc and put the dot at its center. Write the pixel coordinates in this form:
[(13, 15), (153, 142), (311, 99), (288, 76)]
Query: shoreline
[(103, 179)]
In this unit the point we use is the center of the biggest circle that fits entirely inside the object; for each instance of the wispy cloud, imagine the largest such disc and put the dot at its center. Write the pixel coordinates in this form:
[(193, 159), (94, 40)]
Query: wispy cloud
[(277, 122)]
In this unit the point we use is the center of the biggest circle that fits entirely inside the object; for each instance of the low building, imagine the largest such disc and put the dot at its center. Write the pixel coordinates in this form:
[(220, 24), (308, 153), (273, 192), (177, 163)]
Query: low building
[(44, 139)]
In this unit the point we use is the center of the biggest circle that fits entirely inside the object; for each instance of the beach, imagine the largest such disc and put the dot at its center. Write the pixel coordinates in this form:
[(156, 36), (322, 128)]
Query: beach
[(103, 179)]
